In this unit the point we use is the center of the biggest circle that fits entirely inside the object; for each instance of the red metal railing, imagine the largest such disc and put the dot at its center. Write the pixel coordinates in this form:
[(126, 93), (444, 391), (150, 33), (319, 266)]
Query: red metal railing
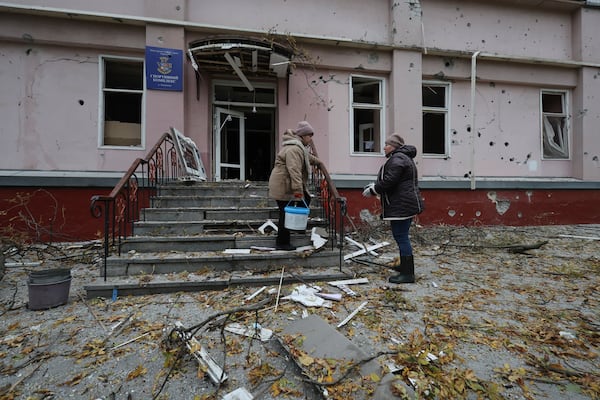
[(123, 206), (125, 203), (331, 205)]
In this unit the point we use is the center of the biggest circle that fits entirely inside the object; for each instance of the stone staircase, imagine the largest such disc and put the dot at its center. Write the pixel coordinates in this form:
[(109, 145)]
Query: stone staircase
[(214, 226)]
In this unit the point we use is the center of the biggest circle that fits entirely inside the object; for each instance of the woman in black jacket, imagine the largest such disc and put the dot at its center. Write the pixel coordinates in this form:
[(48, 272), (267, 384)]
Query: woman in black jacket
[(397, 186)]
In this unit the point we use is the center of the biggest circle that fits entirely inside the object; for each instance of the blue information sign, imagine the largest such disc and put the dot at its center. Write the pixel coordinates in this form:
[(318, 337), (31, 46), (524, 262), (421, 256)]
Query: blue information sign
[(164, 69)]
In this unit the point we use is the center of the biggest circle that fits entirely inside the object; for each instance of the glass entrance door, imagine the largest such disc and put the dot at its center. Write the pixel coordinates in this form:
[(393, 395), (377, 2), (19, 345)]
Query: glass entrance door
[(229, 145)]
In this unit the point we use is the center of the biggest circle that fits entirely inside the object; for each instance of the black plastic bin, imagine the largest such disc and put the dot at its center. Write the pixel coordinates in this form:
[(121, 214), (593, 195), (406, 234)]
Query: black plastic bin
[(49, 288)]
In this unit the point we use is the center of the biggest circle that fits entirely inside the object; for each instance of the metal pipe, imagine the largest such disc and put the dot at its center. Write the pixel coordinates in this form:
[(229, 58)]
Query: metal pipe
[(473, 86)]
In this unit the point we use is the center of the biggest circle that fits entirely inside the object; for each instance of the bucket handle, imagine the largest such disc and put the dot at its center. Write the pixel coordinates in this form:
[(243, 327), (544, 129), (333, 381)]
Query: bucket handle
[(295, 201)]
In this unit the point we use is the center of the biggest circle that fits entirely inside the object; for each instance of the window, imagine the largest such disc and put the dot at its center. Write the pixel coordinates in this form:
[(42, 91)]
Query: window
[(122, 101), (367, 114), (435, 119), (555, 130)]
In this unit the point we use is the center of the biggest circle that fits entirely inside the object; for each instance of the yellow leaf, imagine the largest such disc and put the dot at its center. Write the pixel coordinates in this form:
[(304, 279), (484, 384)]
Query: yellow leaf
[(75, 380), (305, 359), (138, 371), (375, 377), (194, 347), (65, 320)]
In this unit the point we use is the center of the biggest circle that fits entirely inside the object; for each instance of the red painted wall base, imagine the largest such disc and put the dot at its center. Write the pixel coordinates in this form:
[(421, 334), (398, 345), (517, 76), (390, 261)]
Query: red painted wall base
[(50, 214), (496, 207), (63, 214)]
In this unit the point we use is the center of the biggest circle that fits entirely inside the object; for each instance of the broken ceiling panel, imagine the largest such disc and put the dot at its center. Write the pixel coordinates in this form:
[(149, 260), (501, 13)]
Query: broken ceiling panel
[(246, 58)]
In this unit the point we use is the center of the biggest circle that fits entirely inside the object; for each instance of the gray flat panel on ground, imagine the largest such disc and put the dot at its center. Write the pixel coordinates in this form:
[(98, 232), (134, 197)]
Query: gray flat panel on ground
[(321, 340)]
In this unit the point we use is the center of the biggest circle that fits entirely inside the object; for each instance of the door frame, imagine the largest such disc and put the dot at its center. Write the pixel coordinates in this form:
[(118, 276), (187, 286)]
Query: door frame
[(218, 127)]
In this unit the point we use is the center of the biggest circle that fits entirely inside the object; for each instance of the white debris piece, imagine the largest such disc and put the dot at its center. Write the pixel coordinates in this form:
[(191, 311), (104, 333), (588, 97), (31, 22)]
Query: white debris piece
[(580, 237), (239, 394), (567, 335), (258, 331), (394, 368), (262, 248), (236, 251), (253, 295), (342, 285), (352, 314), (347, 290), (330, 296), (363, 251), (317, 240), (356, 281), (307, 296), (360, 245), (215, 372), (269, 223), (304, 248)]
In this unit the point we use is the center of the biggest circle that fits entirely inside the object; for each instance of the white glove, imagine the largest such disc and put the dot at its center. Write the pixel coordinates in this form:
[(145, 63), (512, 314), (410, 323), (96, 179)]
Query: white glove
[(369, 190)]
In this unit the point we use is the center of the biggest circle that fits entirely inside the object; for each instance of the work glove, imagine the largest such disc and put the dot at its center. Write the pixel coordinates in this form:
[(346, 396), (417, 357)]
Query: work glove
[(369, 190)]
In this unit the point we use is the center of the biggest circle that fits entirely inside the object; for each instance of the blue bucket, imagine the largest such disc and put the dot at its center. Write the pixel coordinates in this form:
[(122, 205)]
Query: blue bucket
[(296, 218)]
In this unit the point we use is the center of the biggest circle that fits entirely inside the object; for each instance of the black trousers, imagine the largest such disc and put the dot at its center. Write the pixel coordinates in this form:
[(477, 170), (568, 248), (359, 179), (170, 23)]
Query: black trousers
[(283, 233)]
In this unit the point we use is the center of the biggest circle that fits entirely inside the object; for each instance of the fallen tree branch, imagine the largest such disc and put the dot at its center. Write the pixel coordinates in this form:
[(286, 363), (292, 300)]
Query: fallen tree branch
[(350, 369), (93, 313), (546, 366), (512, 248), (191, 332), (18, 382)]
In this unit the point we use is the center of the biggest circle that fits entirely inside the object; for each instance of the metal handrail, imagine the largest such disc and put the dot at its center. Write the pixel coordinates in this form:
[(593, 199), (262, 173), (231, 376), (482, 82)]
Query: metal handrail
[(123, 206), (125, 203), (333, 206)]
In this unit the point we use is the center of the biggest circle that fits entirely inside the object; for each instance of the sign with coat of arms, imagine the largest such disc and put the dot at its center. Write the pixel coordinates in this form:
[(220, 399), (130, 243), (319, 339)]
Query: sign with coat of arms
[(164, 69)]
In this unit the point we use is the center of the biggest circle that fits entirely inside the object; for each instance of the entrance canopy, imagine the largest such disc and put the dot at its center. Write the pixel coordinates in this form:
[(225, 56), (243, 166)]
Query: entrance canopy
[(245, 57)]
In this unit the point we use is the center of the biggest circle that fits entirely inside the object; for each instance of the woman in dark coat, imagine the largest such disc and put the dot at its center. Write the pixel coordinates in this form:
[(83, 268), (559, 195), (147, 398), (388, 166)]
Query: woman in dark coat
[(397, 186)]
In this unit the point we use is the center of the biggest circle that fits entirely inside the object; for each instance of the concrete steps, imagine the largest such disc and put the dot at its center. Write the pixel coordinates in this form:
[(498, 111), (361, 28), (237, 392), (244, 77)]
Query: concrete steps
[(213, 226), (178, 262)]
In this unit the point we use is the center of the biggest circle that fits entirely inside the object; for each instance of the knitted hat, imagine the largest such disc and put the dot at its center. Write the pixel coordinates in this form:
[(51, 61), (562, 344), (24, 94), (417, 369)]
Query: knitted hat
[(395, 140), (304, 128)]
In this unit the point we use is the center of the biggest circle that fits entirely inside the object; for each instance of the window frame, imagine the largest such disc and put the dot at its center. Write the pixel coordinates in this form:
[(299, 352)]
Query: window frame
[(101, 104), (381, 107), (564, 114), (439, 110)]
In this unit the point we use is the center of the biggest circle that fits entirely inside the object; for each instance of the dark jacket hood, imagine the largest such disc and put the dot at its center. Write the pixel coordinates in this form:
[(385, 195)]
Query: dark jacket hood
[(407, 149)]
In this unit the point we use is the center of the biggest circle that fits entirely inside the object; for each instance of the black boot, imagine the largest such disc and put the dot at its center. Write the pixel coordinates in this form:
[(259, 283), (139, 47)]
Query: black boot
[(406, 269)]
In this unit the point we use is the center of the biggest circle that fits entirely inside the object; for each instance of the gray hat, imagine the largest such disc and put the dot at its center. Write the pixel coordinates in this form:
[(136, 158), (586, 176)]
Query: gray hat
[(304, 128), (395, 140)]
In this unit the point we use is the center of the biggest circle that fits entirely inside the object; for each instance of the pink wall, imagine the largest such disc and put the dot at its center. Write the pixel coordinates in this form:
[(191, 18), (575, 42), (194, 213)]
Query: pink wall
[(55, 63), (471, 26)]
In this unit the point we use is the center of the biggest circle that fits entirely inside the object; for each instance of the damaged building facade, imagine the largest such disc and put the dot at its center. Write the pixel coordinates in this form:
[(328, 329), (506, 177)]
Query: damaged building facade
[(500, 97)]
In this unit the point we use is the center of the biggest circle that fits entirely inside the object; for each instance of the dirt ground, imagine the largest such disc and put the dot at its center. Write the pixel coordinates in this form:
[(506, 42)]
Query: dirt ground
[(486, 319)]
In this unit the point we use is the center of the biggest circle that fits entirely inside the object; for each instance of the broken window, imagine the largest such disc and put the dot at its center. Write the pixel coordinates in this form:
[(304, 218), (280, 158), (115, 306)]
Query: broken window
[(122, 100), (367, 114), (435, 118), (555, 132)]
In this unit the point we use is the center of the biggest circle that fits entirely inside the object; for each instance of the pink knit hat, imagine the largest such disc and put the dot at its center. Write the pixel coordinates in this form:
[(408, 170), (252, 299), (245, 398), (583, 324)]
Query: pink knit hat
[(304, 128)]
